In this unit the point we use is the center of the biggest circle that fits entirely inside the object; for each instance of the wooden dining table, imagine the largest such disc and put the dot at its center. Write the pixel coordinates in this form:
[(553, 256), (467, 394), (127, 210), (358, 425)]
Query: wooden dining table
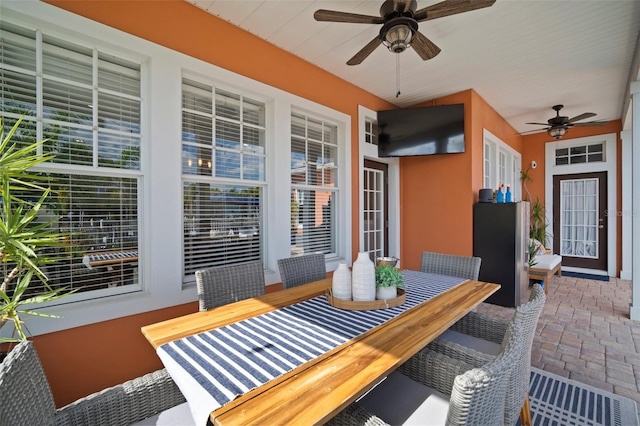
[(317, 390)]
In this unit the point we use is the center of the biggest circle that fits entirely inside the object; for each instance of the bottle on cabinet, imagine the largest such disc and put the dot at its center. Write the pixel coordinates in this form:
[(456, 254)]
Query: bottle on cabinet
[(500, 195)]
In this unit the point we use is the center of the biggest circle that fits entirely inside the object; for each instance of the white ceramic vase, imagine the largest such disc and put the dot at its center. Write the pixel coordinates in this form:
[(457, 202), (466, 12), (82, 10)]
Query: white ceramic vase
[(386, 293), (363, 279), (341, 282)]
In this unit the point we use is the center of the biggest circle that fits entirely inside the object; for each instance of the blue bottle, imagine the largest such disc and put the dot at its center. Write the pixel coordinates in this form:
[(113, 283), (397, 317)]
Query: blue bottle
[(499, 195), (507, 197)]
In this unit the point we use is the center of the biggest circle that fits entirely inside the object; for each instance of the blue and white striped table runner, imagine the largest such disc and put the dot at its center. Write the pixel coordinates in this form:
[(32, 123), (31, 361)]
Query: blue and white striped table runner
[(214, 367)]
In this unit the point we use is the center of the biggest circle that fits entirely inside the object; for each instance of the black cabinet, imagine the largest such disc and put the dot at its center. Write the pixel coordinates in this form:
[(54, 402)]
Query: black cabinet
[(501, 240)]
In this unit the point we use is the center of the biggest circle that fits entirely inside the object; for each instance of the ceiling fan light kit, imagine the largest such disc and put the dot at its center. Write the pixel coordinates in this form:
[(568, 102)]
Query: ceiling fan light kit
[(556, 132), (397, 34)]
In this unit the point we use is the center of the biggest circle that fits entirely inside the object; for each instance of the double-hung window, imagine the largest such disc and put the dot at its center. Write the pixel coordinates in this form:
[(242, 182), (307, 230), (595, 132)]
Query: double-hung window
[(87, 104), (502, 165), (314, 189), (223, 168)]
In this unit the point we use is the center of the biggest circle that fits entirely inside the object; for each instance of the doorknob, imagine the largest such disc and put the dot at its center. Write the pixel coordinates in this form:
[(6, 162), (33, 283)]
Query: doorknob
[(600, 226)]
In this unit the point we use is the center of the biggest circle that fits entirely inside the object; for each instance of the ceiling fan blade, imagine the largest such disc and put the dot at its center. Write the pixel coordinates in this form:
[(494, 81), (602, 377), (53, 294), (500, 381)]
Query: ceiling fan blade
[(424, 47), (365, 51), (539, 124), (352, 18), (533, 131), (589, 123), (450, 7), (582, 116)]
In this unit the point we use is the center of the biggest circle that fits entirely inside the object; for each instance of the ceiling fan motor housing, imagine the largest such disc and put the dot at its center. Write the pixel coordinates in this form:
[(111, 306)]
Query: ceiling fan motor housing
[(388, 8)]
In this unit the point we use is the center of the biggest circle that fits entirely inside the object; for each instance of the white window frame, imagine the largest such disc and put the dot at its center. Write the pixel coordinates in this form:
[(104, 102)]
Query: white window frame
[(609, 166), (189, 279), (319, 186), (370, 151), (94, 170), (495, 171)]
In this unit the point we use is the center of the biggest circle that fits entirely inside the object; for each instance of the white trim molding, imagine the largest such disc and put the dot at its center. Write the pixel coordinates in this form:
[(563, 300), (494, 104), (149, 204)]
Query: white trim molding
[(626, 271), (369, 151), (634, 309)]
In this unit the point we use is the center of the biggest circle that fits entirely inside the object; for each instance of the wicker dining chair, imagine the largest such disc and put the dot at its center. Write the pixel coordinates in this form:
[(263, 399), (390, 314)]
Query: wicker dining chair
[(438, 390), (26, 397), (227, 284), (298, 270), (477, 338), (448, 264)]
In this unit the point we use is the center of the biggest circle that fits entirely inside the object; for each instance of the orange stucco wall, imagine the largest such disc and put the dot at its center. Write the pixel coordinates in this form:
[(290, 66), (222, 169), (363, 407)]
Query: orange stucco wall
[(438, 192)]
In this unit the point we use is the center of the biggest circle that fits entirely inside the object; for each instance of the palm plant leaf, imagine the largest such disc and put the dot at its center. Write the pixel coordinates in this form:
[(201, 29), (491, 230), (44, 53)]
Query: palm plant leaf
[(23, 237)]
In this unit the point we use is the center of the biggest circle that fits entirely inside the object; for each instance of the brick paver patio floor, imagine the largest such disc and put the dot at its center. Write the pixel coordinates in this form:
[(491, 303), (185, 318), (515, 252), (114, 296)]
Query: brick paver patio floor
[(584, 333)]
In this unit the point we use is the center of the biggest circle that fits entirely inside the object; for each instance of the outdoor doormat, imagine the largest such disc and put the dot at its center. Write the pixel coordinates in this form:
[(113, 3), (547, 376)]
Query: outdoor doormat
[(557, 401), (586, 276)]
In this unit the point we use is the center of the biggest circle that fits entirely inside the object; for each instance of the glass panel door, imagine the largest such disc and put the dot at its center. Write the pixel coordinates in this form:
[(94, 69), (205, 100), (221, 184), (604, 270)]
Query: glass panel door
[(375, 210)]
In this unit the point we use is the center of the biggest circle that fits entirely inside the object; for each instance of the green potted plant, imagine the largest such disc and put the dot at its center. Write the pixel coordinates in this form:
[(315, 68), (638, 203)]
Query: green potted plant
[(23, 237), (538, 222), (388, 280), (533, 252)]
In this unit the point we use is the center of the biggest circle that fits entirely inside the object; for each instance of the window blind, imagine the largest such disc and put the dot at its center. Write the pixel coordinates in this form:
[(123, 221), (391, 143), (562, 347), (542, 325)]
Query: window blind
[(223, 164), (91, 108), (313, 185)]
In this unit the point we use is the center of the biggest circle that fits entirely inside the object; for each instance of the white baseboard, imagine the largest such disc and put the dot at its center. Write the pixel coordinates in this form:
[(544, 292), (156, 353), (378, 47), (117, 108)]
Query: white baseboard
[(634, 312)]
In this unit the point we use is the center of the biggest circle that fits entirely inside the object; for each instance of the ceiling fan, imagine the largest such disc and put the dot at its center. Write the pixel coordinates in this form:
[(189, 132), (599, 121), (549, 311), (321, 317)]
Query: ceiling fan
[(557, 126), (399, 19)]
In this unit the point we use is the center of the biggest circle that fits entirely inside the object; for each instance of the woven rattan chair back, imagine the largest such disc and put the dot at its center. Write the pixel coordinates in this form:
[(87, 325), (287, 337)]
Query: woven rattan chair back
[(525, 321), (227, 284), (25, 395), (26, 398), (298, 270), (478, 395), (448, 264)]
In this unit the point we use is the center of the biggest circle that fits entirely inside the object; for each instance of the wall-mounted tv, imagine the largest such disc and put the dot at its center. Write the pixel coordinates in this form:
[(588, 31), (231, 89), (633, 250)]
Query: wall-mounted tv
[(421, 131)]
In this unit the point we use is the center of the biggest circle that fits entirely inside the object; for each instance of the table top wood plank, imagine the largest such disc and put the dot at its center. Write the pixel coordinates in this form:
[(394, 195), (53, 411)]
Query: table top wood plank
[(198, 322), (319, 391)]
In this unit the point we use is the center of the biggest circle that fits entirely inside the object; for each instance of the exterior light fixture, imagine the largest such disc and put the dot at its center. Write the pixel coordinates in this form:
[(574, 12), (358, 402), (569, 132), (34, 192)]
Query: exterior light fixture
[(556, 132), (397, 34)]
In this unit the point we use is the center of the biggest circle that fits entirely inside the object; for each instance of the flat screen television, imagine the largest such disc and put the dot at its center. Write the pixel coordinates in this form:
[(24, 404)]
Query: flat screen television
[(421, 131)]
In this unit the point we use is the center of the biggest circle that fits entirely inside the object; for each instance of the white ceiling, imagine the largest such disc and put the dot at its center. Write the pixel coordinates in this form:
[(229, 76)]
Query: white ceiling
[(521, 56)]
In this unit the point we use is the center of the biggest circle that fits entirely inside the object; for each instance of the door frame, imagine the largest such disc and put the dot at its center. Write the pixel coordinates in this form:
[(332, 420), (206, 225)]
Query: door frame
[(370, 152), (601, 230), (610, 166)]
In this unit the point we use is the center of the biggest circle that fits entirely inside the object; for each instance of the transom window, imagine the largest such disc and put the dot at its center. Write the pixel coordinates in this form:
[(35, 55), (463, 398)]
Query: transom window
[(371, 131), (593, 153), (86, 103), (314, 190), (223, 166)]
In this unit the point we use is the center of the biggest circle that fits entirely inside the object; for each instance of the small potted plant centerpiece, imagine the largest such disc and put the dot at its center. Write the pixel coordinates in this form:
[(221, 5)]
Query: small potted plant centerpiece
[(388, 280)]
